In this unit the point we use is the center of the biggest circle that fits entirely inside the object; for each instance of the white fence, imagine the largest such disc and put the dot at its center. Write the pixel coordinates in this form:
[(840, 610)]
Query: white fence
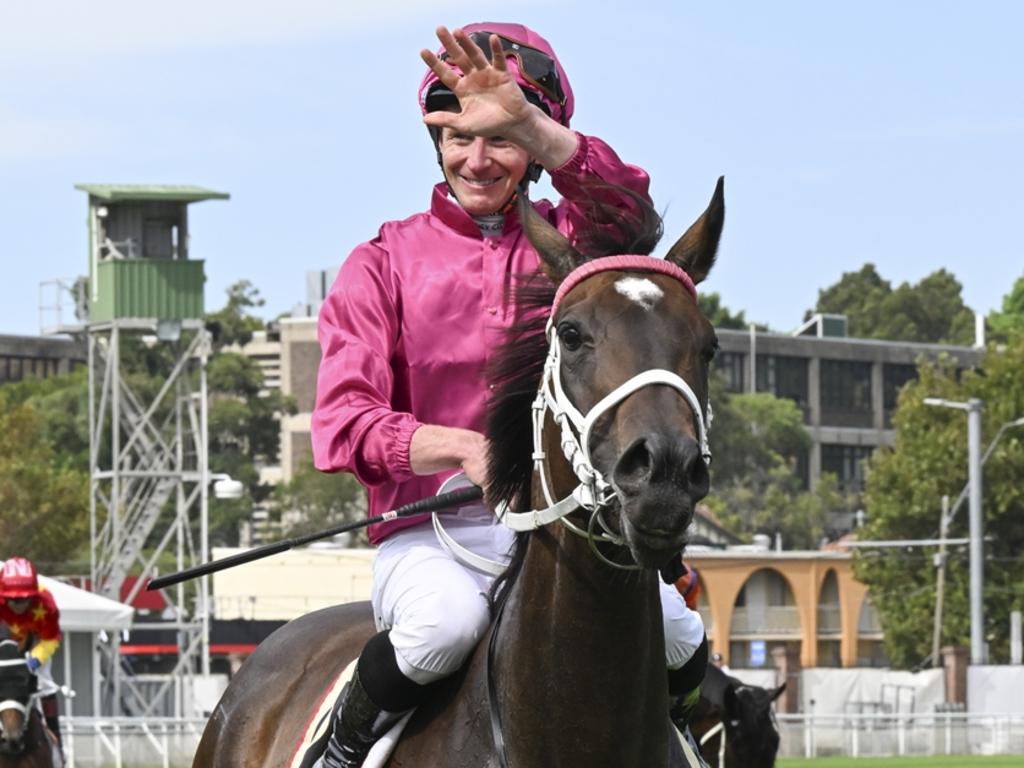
[(171, 743), (885, 735), (130, 742)]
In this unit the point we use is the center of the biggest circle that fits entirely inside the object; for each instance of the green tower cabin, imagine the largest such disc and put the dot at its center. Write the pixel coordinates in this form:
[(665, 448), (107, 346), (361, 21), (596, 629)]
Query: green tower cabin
[(139, 265)]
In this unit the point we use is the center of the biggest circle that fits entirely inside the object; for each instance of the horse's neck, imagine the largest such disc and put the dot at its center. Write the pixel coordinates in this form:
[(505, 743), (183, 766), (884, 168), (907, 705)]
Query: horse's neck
[(582, 659)]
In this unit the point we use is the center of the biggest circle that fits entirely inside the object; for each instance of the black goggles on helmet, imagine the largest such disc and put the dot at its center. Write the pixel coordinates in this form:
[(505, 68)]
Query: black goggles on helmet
[(536, 67)]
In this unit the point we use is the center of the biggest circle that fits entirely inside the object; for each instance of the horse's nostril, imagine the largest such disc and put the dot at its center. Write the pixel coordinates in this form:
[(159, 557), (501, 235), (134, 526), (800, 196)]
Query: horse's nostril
[(633, 467), (697, 474)]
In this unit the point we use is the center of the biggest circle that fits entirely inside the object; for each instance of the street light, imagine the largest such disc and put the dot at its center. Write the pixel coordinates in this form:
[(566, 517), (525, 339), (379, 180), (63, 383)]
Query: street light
[(226, 487), (973, 407)]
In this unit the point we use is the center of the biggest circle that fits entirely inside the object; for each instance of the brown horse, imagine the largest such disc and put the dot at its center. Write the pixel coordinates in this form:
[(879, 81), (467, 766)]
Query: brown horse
[(734, 722), (573, 672), (24, 740)]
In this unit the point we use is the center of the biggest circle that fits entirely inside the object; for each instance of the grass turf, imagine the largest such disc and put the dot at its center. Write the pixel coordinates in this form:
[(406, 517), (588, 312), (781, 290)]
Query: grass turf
[(939, 761)]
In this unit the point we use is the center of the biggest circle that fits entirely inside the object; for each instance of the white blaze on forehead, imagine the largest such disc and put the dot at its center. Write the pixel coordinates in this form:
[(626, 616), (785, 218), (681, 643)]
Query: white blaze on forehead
[(639, 289)]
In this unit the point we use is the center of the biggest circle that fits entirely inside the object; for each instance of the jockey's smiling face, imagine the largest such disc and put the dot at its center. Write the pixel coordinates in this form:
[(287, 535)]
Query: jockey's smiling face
[(18, 605), (482, 172)]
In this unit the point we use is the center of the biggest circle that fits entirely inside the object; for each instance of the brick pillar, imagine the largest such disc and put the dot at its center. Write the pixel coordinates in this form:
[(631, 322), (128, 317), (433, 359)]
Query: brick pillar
[(954, 662), (787, 666)]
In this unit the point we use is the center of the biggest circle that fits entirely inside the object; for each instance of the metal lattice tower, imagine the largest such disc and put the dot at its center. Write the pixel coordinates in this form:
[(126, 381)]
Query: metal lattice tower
[(149, 464)]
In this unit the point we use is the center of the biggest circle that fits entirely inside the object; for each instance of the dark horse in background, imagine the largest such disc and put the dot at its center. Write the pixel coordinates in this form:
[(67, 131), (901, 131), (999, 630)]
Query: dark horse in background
[(734, 722), (578, 657), (24, 740)]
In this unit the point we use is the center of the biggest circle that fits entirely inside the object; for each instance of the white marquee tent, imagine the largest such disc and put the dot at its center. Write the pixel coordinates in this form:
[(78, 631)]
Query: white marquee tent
[(83, 615), (82, 611)]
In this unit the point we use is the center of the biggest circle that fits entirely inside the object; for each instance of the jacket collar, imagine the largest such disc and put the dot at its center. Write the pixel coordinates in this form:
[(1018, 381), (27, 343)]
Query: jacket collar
[(448, 210)]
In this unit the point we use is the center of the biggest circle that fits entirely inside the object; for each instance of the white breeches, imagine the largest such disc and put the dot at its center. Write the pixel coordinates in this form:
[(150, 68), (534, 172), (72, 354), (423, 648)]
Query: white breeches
[(437, 610)]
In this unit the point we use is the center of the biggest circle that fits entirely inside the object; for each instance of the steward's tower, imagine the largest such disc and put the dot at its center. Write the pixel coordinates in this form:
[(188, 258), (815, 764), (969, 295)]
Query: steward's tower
[(148, 350)]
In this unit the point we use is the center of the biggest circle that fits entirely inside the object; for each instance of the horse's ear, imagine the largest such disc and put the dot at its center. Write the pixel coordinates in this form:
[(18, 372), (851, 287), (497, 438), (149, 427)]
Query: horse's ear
[(695, 251), (777, 692), (557, 256)]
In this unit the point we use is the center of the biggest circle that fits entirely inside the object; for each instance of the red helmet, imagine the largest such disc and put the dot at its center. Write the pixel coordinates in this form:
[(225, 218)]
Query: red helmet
[(18, 578), (533, 64)]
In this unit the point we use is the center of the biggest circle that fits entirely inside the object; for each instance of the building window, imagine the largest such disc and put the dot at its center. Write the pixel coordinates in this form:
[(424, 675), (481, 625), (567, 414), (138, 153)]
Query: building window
[(846, 462), (733, 367), (845, 394), (894, 377), (784, 377), (10, 369)]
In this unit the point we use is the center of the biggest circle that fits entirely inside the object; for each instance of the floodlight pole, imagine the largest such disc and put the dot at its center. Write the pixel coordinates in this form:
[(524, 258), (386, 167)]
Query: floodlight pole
[(977, 546), (940, 584), (204, 504), (974, 407)]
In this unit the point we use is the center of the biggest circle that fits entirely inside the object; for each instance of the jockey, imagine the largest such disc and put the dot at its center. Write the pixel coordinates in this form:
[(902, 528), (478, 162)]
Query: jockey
[(406, 333), (31, 614)]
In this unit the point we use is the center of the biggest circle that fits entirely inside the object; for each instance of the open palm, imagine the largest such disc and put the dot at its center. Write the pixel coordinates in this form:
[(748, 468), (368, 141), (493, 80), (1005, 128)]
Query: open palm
[(490, 99)]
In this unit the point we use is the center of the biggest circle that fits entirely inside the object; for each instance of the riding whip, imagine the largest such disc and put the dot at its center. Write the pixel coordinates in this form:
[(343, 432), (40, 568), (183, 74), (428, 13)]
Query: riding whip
[(429, 504)]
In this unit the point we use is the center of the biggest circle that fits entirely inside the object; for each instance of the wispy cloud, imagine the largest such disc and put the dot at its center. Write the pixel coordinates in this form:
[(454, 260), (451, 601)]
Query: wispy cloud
[(69, 28)]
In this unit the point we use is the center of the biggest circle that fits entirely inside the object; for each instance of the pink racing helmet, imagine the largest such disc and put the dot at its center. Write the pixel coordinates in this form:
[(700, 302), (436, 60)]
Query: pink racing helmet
[(532, 62)]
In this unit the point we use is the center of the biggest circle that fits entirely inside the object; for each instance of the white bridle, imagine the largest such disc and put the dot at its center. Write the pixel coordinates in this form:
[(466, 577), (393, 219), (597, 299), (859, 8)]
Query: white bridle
[(594, 492)]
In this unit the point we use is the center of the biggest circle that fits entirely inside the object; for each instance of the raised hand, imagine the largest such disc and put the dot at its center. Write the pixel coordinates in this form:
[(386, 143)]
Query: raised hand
[(490, 99)]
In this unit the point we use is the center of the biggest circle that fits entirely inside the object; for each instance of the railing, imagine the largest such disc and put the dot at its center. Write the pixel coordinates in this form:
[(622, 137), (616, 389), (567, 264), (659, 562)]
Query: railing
[(886, 735), (171, 742), (829, 620), (766, 620), (128, 742)]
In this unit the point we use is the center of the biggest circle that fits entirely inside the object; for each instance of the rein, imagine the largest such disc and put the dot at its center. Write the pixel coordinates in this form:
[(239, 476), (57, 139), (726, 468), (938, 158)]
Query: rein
[(720, 728)]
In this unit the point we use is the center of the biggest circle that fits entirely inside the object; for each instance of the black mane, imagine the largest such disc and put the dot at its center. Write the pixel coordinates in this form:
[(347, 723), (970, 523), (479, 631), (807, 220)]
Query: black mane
[(515, 373)]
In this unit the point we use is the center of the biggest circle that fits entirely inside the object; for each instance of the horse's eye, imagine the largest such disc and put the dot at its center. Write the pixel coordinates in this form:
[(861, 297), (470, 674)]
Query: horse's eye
[(710, 353), (570, 336)]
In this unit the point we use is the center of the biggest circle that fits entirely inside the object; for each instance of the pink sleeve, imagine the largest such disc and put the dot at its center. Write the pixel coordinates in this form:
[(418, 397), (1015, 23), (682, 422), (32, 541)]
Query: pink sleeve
[(593, 161), (353, 425)]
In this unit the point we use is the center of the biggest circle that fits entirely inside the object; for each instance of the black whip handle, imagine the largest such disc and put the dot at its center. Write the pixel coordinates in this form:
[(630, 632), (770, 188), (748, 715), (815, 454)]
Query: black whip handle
[(429, 504)]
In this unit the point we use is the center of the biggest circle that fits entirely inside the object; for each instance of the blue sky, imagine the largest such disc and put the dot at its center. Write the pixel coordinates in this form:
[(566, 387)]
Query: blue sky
[(890, 132)]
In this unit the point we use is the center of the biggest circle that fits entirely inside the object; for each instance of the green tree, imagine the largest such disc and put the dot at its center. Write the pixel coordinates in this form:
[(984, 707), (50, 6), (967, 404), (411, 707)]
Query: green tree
[(44, 501), (756, 442), (62, 406), (244, 417), (904, 489), (234, 323), (314, 500), (930, 311), (1010, 320)]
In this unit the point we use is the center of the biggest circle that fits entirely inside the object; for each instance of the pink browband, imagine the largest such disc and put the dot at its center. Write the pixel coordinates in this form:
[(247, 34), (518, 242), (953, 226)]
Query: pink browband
[(625, 263)]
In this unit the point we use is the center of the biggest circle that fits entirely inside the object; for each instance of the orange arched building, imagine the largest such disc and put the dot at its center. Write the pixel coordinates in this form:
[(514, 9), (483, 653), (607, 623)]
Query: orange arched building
[(753, 601)]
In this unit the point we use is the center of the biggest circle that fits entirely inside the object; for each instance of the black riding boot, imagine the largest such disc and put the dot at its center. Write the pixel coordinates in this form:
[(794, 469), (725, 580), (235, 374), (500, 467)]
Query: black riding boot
[(357, 725), (51, 714)]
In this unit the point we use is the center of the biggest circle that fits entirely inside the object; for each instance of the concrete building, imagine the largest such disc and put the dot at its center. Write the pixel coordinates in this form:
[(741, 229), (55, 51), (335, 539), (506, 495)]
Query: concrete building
[(300, 359), (24, 356), (846, 388)]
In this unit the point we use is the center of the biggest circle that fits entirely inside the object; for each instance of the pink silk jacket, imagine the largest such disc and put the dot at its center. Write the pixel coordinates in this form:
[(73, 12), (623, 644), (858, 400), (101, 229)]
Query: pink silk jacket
[(410, 324)]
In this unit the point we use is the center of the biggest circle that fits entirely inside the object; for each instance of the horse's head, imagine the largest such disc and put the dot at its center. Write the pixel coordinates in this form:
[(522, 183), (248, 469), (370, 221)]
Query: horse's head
[(752, 735), (17, 684), (631, 353)]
